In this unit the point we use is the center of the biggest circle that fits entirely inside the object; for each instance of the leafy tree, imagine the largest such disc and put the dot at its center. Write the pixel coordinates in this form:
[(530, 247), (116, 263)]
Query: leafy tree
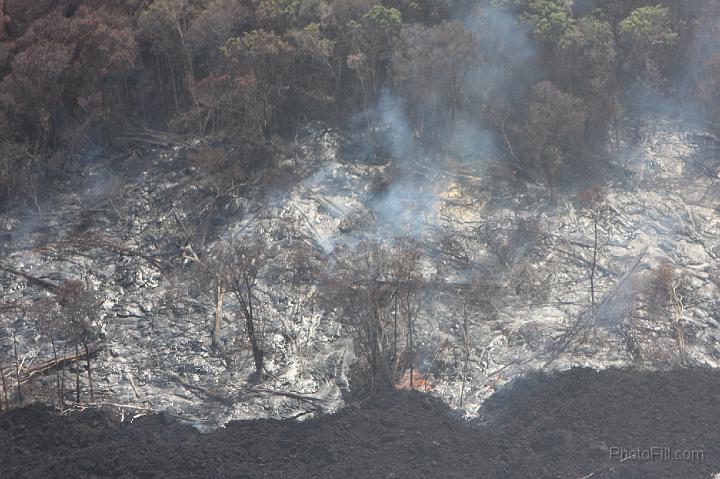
[(427, 12), (553, 133), (647, 36), (5, 22), (20, 13), (278, 15), (431, 68), (69, 73), (579, 54), (312, 75), (211, 28), (163, 33), (704, 60), (551, 20), (588, 69), (372, 40), (264, 59)]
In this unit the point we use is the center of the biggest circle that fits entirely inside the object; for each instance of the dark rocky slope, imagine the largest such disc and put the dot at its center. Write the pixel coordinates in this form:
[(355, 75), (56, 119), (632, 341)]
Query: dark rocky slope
[(558, 427)]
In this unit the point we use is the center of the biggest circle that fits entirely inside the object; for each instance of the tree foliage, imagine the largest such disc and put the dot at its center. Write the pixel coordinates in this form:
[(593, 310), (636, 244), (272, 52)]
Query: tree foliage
[(647, 35), (77, 72), (67, 74)]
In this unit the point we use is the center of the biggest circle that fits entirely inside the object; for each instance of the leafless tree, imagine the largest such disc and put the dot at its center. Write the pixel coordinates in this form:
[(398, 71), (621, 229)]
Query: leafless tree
[(375, 288), (207, 279), (5, 327), (475, 302), (4, 388), (239, 264), (46, 316), (407, 282), (666, 292), (592, 200), (358, 290), (79, 306), (13, 329)]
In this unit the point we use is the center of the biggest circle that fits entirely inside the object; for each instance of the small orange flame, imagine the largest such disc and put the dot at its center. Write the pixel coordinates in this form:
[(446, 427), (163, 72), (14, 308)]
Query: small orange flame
[(418, 382), (494, 382)]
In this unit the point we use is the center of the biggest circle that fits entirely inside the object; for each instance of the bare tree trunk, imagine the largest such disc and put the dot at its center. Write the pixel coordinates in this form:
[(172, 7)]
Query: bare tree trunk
[(62, 382), (410, 339), (257, 351), (89, 370), (173, 81), (57, 373), (615, 122), (17, 368), (679, 311), (77, 376), (594, 261), (407, 306), (4, 387), (395, 331), (466, 350), (217, 325)]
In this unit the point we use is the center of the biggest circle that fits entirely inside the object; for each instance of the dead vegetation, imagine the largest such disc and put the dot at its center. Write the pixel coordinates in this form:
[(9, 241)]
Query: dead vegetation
[(69, 323), (239, 264), (377, 291)]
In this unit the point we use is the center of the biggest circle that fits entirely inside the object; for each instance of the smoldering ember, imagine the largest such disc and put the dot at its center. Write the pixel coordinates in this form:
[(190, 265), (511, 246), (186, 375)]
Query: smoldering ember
[(359, 238)]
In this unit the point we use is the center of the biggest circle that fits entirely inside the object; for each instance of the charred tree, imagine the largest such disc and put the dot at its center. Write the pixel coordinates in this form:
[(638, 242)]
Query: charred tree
[(407, 281), (47, 318), (592, 201), (359, 288), (243, 262), (17, 364), (79, 306), (206, 277)]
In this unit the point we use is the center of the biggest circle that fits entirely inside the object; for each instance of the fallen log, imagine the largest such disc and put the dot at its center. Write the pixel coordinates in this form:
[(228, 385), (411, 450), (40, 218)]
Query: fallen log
[(51, 364), (95, 243), (606, 299), (31, 279), (9, 306)]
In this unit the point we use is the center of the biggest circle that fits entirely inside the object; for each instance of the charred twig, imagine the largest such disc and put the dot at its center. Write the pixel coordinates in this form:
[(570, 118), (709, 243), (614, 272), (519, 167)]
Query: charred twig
[(132, 384), (156, 138), (587, 318), (90, 243), (583, 261), (211, 394), (188, 253), (624, 277), (299, 397)]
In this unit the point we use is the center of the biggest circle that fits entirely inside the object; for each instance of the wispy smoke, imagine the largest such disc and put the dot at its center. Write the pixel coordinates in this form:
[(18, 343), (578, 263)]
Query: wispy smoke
[(410, 205)]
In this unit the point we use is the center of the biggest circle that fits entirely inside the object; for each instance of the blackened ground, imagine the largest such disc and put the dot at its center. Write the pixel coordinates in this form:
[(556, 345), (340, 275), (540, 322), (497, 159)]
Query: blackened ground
[(563, 426)]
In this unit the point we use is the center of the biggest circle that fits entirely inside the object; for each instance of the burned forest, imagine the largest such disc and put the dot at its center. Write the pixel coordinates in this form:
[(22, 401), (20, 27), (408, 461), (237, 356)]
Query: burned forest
[(362, 238)]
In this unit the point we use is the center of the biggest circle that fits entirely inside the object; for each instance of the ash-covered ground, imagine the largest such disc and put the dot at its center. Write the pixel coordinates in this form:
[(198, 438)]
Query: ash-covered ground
[(127, 223)]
